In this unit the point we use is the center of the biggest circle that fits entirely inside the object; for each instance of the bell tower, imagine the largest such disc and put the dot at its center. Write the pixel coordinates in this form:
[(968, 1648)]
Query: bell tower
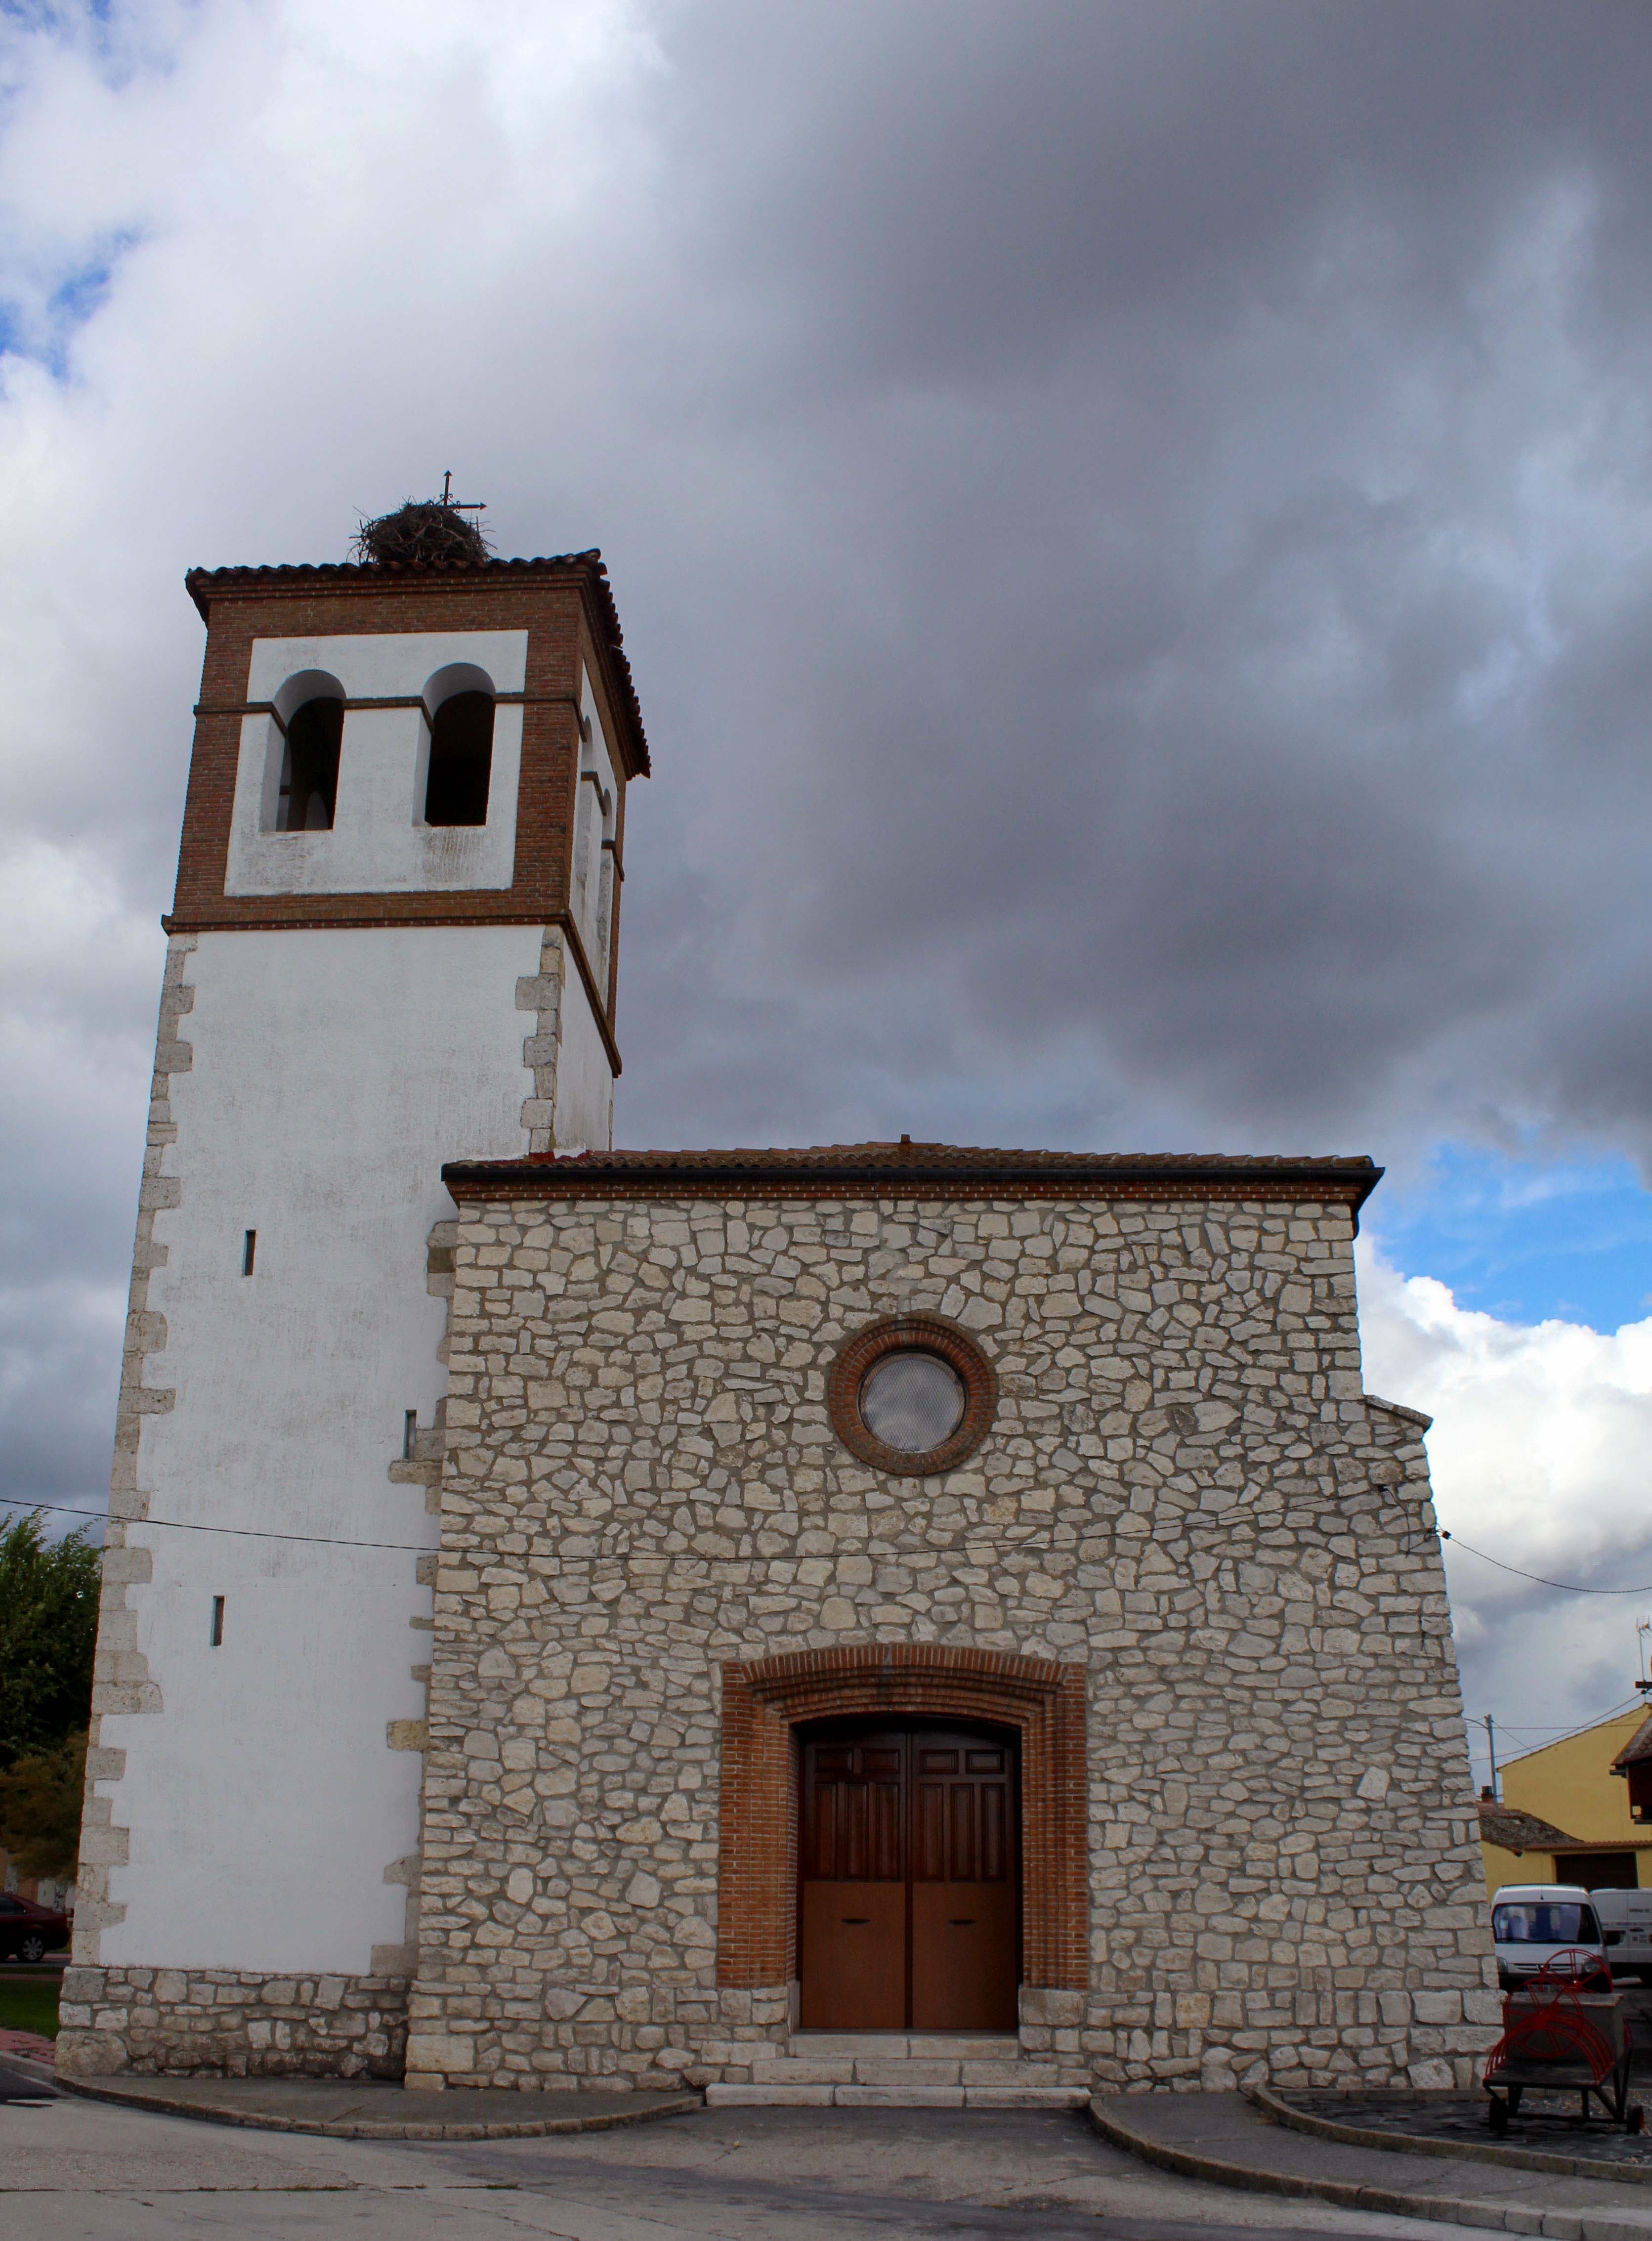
[(394, 943)]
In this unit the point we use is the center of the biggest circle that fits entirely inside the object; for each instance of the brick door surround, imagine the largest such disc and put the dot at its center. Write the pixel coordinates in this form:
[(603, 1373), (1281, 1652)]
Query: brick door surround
[(766, 1700)]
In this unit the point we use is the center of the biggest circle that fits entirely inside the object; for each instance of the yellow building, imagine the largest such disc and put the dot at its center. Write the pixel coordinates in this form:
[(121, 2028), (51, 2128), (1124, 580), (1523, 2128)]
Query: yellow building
[(1564, 1815)]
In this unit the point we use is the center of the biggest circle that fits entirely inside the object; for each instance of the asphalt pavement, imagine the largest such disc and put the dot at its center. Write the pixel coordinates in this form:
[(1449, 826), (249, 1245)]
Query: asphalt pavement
[(74, 2170)]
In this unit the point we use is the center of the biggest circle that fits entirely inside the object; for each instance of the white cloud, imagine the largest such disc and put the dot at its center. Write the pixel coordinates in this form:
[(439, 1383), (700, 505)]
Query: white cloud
[(1540, 1453)]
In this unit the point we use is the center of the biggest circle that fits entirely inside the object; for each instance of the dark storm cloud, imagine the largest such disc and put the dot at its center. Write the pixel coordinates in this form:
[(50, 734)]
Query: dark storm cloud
[(1187, 594)]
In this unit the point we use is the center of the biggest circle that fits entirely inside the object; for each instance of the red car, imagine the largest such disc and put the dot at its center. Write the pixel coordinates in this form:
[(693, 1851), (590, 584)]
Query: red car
[(29, 1932)]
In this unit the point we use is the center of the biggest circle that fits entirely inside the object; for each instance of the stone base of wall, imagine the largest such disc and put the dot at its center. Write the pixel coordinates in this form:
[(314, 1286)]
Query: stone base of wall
[(232, 2024), (238, 2025), (1128, 2041), (1213, 2042), (633, 2036)]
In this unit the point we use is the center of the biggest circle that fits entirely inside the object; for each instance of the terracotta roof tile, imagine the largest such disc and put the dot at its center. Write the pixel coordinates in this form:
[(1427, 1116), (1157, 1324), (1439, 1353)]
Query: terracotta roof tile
[(1638, 1749), (1517, 1831), (925, 1169)]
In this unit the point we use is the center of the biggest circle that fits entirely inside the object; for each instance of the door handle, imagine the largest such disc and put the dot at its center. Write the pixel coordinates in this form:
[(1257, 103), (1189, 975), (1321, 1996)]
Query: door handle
[(961, 1922), (856, 1921)]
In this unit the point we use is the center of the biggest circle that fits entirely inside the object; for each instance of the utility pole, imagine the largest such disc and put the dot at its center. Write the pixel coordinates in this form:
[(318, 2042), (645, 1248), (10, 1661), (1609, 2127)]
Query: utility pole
[(1491, 1745)]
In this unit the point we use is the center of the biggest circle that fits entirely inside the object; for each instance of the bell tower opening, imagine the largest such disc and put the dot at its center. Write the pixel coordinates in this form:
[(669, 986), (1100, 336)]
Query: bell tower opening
[(309, 793), (461, 761)]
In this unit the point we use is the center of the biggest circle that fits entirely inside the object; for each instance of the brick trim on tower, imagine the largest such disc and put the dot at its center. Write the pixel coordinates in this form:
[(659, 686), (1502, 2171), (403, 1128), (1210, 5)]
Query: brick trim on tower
[(766, 1700), (565, 609)]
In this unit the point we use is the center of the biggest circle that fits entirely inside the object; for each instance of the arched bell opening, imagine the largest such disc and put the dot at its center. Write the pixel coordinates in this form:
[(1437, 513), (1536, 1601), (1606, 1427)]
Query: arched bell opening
[(306, 738), (460, 704)]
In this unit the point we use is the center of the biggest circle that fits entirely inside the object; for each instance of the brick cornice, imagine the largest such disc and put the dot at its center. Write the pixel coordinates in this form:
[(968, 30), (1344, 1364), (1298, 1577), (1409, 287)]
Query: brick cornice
[(928, 1172)]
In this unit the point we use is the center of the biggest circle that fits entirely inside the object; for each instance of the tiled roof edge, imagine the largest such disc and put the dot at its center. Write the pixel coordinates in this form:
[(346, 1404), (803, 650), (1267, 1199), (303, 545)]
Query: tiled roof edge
[(918, 1171), (1638, 1748), (1516, 1831)]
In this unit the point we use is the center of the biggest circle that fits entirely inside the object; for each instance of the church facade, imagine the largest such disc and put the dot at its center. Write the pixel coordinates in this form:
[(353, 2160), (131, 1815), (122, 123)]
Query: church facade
[(657, 1608)]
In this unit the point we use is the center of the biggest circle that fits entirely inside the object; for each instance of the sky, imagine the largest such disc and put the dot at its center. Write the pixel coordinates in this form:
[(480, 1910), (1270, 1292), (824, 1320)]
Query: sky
[(1134, 528)]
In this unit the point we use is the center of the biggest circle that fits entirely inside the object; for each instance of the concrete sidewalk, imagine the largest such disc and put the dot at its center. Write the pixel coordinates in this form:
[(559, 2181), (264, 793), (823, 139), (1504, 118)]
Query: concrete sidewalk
[(76, 2170), (366, 2109), (1223, 2137)]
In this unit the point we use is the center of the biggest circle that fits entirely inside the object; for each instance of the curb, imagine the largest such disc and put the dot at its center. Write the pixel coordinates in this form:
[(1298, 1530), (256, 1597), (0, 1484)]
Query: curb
[(1347, 2194), (1416, 2144), (503, 2128), (26, 2065)]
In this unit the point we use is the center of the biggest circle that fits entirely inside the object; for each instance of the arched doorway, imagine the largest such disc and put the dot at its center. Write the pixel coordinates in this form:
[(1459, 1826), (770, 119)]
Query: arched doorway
[(909, 1883), (769, 1702)]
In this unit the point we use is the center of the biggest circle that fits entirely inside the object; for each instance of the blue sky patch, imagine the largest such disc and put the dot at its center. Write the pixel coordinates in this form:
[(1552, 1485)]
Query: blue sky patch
[(44, 329), (1524, 1240)]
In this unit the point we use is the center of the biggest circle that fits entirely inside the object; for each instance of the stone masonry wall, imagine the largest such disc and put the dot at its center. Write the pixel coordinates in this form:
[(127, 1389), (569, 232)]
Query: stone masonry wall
[(234, 2025), (1185, 1488)]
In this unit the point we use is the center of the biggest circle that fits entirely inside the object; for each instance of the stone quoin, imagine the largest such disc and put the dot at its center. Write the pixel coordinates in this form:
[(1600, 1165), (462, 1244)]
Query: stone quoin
[(642, 1587)]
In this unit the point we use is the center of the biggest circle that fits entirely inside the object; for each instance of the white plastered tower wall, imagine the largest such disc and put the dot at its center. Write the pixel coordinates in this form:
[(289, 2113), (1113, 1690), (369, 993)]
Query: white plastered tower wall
[(333, 1070), (250, 1872)]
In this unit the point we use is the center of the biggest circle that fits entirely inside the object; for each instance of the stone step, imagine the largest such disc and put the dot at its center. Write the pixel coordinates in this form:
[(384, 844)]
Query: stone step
[(907, 2071), (790, 2070), (923, 2046), (837, 2096), (794, 2069), (1025, 2072)]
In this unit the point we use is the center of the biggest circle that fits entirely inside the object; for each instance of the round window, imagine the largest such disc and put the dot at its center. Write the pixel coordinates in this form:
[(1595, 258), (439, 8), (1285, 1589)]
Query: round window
[(913, 1401), (913, 1394)]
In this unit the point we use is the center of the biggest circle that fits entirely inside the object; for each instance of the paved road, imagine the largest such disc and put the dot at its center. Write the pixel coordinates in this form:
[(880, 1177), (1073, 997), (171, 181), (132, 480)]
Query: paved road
[(83, 2170)]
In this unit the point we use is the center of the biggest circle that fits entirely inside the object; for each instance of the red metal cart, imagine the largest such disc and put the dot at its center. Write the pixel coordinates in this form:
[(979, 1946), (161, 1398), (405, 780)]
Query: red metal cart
[(1567, 2031)]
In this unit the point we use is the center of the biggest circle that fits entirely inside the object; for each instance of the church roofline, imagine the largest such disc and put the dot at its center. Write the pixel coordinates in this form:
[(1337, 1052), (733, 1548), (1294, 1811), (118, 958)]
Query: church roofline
[(908, 1170), (588, 568)]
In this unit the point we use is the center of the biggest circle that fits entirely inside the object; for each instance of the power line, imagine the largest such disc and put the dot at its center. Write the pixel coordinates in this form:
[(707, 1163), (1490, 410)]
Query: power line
[(1610, 1713), (241, 1532), (1564, 1735), (415, 1548), (1566, 1587)]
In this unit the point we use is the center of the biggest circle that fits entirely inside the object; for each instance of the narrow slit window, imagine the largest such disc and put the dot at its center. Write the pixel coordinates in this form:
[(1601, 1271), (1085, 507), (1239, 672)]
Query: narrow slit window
[(461, 761), (308, 792), (216, 1638), (409, 1435), (249, 1251)]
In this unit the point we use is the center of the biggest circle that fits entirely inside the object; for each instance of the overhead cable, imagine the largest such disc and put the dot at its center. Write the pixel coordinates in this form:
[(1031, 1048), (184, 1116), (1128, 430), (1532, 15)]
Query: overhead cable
[(1566, 1587), (242, 1532)]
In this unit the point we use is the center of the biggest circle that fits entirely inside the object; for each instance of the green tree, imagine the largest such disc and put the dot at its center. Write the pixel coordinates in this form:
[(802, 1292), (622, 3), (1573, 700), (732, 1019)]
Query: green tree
[(40, 1800), (48, 1634)]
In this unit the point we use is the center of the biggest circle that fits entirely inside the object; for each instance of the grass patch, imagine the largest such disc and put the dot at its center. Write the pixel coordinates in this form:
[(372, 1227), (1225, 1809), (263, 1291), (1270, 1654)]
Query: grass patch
[(30, 2003)]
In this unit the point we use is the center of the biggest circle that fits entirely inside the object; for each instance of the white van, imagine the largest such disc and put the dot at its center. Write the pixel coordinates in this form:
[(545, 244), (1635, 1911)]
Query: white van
[(1625, 1917), (1531, 1922)]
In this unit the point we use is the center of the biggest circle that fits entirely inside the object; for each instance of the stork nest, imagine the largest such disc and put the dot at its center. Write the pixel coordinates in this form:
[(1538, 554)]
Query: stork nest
[(421, 533)]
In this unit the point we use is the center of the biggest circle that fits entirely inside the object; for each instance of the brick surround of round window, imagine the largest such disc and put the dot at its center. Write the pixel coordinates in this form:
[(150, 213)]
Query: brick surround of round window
[(920, 1334)]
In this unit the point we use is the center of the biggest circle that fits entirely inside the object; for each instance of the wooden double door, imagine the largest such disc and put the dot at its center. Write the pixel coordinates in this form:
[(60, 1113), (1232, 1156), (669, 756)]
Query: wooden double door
[(910, 1878)]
